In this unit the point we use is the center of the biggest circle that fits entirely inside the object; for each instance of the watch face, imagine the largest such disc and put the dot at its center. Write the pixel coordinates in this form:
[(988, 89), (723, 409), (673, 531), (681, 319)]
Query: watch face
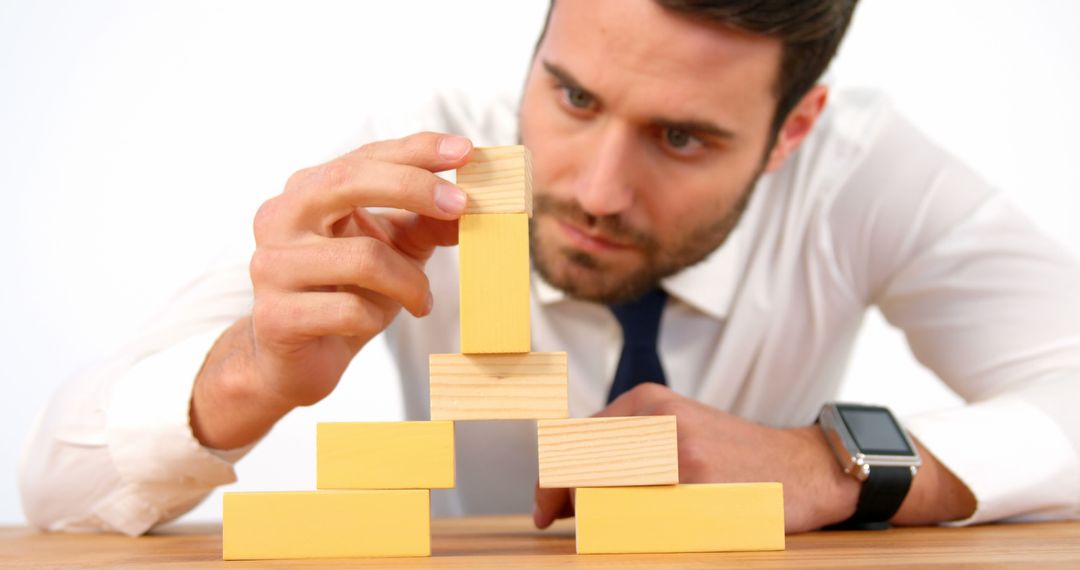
[(874, 429)]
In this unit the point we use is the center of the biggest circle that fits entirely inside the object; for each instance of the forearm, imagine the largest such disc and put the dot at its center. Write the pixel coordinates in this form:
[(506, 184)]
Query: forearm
[(936, 495), (227, 408)]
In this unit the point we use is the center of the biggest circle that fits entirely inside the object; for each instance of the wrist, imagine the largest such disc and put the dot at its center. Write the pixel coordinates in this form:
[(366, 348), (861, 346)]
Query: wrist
[(228, 408), (836, 492)]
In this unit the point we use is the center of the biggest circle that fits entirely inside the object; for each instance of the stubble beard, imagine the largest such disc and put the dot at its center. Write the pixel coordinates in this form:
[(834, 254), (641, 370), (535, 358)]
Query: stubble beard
[(591, 278)]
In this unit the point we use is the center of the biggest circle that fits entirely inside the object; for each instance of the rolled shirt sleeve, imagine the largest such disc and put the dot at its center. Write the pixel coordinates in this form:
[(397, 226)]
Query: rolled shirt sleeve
[(162, 469), (114, 449)]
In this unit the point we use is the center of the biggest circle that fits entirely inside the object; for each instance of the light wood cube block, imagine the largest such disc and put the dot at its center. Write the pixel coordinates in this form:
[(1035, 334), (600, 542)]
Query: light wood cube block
[(326, 524), (498, 386), (385, 455), (604, 452), (680, 518), (497, 180), (494, 283)]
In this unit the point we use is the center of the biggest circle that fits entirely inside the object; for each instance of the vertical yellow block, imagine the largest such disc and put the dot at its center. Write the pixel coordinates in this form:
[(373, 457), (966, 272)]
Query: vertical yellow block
[(326, 524), (385, 455), (494, 283), (680, 518)]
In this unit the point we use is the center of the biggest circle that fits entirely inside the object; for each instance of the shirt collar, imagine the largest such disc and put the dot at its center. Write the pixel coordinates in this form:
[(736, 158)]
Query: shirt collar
[(707, 286)]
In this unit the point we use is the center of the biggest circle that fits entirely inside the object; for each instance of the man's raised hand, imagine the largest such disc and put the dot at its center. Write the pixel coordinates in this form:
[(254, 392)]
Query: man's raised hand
[(338, 254)]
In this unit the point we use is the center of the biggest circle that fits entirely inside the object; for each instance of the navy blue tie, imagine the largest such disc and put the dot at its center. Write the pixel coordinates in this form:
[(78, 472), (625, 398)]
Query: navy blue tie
[(639, 361)]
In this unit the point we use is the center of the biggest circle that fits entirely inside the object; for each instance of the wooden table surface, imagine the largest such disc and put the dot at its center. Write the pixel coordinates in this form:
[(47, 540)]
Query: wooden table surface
[(512, 542)]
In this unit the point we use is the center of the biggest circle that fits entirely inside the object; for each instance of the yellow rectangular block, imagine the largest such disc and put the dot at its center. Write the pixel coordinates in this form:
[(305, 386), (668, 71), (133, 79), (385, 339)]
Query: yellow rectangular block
[(497, 180), (608, 452), (326, 524), (385, 455), (498, 386), (680, 518), (494, 283)]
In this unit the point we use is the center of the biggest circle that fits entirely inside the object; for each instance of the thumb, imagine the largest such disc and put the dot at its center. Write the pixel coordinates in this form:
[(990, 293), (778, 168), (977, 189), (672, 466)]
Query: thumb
[(635, 402)]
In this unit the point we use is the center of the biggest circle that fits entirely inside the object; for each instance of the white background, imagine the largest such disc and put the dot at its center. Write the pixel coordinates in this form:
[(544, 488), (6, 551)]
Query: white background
[(138, 138)]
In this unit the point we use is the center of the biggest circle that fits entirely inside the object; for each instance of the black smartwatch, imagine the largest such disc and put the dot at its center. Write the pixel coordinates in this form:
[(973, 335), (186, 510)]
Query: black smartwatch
[(873, 448)]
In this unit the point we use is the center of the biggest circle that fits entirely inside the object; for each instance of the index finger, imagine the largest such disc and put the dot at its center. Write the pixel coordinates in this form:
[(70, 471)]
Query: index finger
[(431, 151), (394, 174)]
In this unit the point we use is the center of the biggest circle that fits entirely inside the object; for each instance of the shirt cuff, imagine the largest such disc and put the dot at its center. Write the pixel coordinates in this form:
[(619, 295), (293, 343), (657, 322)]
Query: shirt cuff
[(161, 465), (1013, 457)]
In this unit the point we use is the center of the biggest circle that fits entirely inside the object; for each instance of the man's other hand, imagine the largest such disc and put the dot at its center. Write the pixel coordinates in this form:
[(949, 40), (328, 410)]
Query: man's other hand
[(716, 447)]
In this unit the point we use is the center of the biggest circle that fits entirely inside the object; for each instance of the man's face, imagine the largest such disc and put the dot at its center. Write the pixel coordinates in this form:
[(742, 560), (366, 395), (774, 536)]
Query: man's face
[(647, 130)]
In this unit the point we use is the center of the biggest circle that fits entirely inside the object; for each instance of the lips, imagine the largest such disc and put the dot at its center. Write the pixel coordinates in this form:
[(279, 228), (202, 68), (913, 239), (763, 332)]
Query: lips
[(590, 241)]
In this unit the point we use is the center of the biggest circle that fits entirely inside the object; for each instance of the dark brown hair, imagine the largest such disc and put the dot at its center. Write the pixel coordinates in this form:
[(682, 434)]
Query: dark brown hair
[(809, 30)]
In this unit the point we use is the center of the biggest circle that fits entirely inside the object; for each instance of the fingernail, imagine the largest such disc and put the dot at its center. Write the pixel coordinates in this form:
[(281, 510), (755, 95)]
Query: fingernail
[(453, 148), (430, 304), (449, 198)]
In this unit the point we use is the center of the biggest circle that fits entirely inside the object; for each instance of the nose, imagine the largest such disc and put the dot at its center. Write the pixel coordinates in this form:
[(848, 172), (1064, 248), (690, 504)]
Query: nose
[(605, 185)]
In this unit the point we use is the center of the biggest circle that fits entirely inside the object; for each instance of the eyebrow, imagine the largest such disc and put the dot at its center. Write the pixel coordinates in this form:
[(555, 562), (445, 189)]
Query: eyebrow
[(690, 125), (693, 126), (567, 79)]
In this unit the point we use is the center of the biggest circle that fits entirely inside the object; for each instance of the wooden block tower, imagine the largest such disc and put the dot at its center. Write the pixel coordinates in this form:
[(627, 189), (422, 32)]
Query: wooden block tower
[(374, 479)]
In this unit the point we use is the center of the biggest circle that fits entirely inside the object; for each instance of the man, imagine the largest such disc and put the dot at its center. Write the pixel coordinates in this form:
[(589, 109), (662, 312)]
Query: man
[(692, 186)]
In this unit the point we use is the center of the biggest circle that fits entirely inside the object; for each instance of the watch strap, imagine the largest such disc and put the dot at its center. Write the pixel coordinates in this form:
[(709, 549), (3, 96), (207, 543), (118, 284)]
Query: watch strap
[(882, 494)]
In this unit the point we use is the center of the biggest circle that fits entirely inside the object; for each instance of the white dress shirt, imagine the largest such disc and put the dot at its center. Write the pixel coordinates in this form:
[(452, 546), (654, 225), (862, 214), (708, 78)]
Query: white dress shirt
[(867, 212)]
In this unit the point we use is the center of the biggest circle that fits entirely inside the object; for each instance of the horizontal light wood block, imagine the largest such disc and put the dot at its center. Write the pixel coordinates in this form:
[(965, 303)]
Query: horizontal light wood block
[(608, 452), (497, 180), (494, 283), (680, 518), (498, 386), (385, 455), (326, 524)]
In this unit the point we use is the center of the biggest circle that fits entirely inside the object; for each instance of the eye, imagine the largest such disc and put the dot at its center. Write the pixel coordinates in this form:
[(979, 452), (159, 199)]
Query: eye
[(681, 141), (577, 98), (677, 138)]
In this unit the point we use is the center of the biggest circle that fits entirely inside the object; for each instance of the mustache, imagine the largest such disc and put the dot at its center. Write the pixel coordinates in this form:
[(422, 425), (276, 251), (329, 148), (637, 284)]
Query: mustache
[(612, 228)]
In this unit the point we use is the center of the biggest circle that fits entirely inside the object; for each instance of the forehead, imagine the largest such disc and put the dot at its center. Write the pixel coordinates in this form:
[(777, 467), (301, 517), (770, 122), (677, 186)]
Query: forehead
[(637, 53)]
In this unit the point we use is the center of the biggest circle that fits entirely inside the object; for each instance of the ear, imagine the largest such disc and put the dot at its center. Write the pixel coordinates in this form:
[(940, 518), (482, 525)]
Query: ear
[(797, 125)]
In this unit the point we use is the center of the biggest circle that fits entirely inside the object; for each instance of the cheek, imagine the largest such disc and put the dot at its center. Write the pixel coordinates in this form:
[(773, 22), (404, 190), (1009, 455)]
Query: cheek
[(680, 205), (670, 203)]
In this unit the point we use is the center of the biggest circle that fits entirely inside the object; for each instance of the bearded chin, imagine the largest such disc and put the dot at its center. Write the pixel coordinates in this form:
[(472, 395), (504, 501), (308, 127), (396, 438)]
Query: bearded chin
[(593, 278)]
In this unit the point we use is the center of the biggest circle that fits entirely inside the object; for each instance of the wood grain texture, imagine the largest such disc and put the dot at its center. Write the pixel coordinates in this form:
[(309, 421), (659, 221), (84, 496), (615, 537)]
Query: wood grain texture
[(384, 455), (500, 542), (493, 263), (498, 180), (498, 386), (326, 524), (680, 518), (604, 452)]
